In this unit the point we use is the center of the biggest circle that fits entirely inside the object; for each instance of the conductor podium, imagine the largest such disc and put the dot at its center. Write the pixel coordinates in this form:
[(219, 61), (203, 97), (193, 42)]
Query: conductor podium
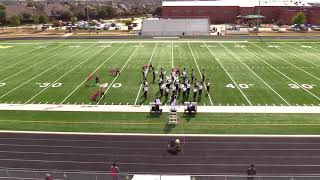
[(173, 117)]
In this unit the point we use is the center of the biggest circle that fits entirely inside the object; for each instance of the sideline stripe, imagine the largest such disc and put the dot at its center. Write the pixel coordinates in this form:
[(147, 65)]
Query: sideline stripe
[(162, 135)]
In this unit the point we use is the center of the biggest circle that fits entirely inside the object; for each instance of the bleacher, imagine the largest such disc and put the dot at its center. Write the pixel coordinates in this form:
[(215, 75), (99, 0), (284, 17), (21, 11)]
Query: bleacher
[(175, 27)]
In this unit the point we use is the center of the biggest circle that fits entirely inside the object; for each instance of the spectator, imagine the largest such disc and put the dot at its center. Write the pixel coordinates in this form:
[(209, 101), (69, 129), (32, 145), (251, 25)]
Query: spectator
[(114, 171), (48, 177), (251, 172)]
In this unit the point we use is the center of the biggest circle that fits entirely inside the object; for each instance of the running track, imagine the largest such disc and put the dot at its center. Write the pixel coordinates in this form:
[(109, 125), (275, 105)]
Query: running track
[(143, 154)]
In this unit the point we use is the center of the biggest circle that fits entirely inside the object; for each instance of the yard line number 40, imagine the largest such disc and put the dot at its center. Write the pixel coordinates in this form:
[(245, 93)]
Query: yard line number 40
[(242, 86)]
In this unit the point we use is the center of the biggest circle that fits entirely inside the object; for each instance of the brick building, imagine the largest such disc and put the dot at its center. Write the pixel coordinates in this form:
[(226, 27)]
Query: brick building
[(226, 11)]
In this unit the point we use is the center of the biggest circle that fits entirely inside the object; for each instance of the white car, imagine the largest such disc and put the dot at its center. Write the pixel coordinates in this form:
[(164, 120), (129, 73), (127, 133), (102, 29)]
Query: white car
[(275, 28)]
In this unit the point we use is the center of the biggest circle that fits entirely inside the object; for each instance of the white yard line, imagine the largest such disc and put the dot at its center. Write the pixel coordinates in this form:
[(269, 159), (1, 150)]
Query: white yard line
[(152, 55), (257, 74), (85, 60), (291, 63), (19, 72), (146, 108), (195, 60), (285, 75), (130, 57), (92, 74), (44, 72), (317, 56), (30, 58), (228, 74), (172, 48)]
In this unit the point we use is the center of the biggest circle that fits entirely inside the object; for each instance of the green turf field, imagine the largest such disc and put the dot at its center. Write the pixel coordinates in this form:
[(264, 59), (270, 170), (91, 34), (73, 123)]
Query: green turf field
[(241, 73), (286, 124)]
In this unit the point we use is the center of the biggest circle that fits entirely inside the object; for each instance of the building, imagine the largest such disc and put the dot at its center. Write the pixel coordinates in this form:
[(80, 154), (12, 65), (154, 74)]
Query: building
[(226, 11)]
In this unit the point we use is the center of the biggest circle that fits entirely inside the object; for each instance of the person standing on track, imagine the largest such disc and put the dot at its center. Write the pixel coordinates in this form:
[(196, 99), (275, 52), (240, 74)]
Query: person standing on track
[(251, 172), (114, 171)]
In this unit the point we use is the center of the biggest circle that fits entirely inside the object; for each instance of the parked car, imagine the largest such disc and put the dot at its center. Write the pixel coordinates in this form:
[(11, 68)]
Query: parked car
[(316, 28), (44, 27), (130, 27), (117, 27), (100, 26), (106, 27), (275, 28), (298, 28)]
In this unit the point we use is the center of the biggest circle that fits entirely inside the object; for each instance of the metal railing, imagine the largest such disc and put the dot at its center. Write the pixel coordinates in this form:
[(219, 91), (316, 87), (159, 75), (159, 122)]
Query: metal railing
[(25, 174)]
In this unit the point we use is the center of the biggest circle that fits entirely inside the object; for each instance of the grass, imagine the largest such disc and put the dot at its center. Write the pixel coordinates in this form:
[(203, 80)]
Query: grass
[(257, 73), (147, 123), (241, 73)]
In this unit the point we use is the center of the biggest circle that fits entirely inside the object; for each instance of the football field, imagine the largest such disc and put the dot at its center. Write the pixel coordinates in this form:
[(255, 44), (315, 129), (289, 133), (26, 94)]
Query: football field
[(242, 73)]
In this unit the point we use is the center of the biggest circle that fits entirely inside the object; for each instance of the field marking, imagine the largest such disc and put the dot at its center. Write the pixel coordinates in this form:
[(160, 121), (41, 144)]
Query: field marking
[(92, 73), (30, 58), (258, 75), (228, 74), (150, 123), (17, 73), (172, 47), (20, 54), (304, 52), (152, 55), (285, 75), (44, 72), (130, 57), (195, 60), (162, 164), (85, 60)]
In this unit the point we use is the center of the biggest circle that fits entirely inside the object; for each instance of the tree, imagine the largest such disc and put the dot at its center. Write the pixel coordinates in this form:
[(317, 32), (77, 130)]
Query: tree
[(2, 7), (127, 22), (106, 11), (26, 17), (157, 11), (55, 23), (73, 20), (36, 21), (15, 20), (299, 18), (2, 17), (66, 15), (43, 19)]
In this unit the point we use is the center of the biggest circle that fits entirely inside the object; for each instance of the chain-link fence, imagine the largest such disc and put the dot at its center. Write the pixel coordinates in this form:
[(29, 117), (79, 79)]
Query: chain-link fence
[(17, 174)]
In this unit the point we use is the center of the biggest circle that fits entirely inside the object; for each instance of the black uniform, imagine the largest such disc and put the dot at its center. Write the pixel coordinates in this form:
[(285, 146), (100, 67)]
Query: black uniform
[(203, 75), (251, 172), (192, 76), (153, 75)]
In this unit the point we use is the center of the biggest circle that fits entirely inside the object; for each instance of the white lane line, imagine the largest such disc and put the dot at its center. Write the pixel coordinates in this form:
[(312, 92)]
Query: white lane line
[(301, 51), (172, 47), (30, 58), (216, 58), (285, 75), (258, 75), (195, 60), (159, 156), (134, 52), (44, 72), (19, 72), (160, 164), (152, 55), (291, 63), (85, 60), (91, 74), (257, 136)]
